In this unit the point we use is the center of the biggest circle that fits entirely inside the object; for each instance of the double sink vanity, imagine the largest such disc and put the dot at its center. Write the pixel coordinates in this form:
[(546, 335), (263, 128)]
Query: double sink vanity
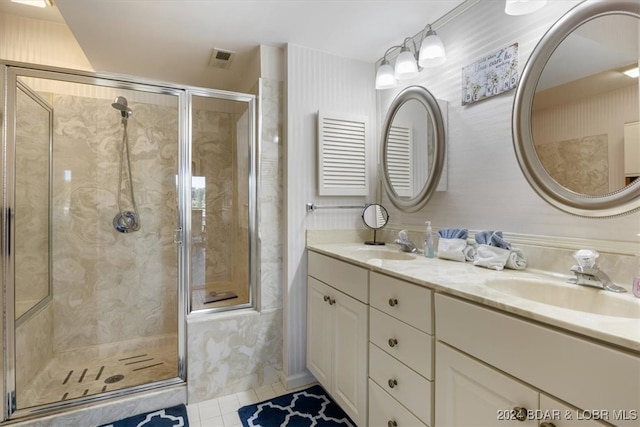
[(398, 339)]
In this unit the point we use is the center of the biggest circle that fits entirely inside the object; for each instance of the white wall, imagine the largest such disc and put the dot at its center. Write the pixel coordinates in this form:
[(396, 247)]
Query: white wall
[(315, 81), (40, 42)]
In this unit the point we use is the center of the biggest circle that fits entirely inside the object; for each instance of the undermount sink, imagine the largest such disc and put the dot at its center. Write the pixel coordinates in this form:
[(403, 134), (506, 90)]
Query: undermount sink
[(385, 254), (573, 297)]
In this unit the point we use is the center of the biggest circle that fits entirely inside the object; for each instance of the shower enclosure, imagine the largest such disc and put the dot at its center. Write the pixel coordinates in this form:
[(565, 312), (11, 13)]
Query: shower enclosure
[(116, 224)]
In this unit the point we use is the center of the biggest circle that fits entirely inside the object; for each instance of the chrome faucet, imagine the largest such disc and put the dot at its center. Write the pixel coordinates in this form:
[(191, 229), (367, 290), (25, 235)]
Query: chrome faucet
[(588, 274), (405, 244)]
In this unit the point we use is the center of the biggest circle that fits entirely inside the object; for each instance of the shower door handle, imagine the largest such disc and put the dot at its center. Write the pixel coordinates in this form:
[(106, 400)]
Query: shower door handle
[(177, 236)]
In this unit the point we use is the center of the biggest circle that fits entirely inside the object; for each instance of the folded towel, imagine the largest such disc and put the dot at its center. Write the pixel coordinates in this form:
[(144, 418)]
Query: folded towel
[(497, 258), (491, 257), (453, 233), (452, 249), (492, 238)]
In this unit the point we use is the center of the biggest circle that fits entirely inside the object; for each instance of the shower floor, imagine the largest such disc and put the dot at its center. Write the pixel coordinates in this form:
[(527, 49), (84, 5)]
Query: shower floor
[(86, 372)]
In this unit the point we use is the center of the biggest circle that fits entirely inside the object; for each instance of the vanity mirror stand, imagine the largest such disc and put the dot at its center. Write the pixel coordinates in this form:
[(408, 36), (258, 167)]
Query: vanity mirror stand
[(375, 217)]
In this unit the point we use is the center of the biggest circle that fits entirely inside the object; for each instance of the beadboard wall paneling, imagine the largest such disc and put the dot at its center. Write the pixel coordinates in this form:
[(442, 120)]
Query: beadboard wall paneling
[(486, 188), (316, 81), (40, 42)]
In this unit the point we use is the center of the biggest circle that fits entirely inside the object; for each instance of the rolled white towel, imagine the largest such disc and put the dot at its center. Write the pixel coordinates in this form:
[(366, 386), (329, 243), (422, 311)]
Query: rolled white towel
[(516, 260), (469, 252)]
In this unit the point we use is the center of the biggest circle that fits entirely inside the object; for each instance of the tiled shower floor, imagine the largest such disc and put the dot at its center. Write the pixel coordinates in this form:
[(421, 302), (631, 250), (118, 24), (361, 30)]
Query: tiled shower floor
[(89, 372)]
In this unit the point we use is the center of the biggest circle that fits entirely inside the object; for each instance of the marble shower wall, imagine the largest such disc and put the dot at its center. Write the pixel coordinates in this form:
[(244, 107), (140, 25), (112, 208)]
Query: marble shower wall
[(110, 286), (223, 243)]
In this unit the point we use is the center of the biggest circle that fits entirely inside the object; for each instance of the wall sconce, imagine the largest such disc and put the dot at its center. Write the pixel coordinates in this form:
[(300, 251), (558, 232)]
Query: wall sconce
[(408, 64), (522, 7)]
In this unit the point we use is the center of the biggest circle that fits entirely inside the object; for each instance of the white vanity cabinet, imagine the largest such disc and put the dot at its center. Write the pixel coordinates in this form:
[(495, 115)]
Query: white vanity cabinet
[(337, 331), (490, 364), (400, 353)]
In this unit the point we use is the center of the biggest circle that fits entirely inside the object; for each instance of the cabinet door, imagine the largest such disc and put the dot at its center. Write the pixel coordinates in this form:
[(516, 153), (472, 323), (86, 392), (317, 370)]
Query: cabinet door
[(350, 365), (471, 394), (320, 331)]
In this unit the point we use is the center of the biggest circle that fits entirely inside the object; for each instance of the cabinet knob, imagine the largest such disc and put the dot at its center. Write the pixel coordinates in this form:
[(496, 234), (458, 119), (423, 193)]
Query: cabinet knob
[(545, 424), (331, 301), (392, 423), (393, 302), (520, 413), (393, 342), (393, 383), (326, 298)]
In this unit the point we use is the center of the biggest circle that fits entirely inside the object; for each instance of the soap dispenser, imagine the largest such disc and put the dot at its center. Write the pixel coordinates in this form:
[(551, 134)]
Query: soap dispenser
[(428, 241)]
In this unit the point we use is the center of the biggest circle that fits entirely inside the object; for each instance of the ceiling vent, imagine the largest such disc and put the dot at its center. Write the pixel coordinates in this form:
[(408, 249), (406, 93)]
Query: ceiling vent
[(221, 58)]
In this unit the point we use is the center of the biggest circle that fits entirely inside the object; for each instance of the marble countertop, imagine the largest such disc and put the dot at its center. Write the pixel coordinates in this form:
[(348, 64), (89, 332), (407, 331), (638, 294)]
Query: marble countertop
[(473, 283)]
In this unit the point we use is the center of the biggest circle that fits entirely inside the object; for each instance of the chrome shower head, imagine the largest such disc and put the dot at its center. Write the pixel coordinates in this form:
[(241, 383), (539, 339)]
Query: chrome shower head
[(121, 104)]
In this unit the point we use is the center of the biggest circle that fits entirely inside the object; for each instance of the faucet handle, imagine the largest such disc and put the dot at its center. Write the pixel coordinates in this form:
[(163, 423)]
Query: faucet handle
[(586, 258)]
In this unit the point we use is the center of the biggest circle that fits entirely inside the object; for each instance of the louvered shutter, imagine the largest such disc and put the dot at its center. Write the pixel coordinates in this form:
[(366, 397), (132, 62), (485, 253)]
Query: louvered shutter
[(342, 169), (399, 159)]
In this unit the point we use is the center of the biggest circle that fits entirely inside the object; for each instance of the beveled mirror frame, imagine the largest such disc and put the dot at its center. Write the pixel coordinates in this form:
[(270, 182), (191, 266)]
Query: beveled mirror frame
[(424, 97), (623, 201)]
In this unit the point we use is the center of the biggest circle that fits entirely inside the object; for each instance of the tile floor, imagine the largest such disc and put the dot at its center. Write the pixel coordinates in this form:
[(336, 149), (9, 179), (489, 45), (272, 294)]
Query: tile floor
[(223, 411)]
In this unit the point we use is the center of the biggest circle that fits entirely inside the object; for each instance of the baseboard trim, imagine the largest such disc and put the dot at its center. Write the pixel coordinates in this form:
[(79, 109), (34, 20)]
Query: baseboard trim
[(298, 380)]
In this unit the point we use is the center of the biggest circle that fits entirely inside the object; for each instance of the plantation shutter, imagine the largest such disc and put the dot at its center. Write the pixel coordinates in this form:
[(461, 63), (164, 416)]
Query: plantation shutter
[(399, 159), (342, 168)]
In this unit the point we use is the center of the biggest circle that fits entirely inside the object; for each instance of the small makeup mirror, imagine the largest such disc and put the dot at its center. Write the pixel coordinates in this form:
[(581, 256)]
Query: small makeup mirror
[(375, 217)]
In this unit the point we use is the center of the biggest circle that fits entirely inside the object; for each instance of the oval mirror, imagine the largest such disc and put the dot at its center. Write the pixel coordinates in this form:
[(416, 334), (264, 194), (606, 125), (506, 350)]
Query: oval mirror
[(413, 148), (375, 216), (575, 116)]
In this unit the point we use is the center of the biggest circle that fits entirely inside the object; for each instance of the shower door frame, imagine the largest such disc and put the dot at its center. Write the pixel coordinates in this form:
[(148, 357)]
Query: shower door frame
[(11, 71)]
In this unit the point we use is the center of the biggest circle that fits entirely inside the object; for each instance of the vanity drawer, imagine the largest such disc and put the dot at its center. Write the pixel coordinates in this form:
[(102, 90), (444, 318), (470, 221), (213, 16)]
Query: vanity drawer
[(574, 369), (405, 301), (350, 279), (384, 410), (411, 390), (409, 345)]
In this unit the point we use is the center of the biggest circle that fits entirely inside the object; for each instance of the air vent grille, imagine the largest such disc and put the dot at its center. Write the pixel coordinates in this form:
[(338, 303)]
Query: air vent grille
[(221, 58)]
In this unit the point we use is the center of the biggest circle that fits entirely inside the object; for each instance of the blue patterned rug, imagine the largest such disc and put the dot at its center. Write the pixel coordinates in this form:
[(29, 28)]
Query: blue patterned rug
[(305, 408), (169, 417)]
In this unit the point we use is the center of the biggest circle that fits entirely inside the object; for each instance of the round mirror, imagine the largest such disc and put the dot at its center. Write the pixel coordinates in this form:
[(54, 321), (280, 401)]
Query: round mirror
[(413, 148), (375, 217), (576, 112)]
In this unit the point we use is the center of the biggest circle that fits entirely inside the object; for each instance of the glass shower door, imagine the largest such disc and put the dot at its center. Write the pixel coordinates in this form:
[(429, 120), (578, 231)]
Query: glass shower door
[(96, 305)]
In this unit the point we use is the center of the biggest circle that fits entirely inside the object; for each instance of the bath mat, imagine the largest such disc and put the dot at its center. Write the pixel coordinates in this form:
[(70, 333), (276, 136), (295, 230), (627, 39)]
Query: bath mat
[(304, 408), (169, 417)]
